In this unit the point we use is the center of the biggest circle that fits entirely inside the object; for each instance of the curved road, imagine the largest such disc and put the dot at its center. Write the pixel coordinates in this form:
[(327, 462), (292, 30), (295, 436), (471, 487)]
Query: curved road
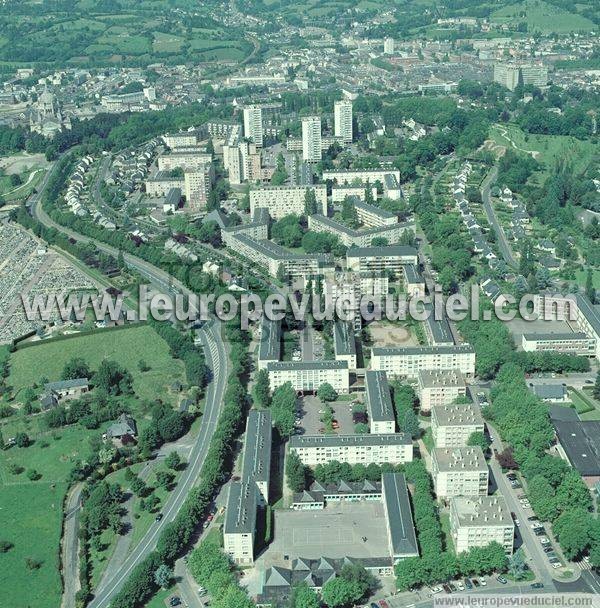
[(216, 359)]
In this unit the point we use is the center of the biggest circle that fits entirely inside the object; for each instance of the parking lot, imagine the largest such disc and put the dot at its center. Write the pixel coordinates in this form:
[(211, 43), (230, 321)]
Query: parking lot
[(518, 327), (311, 408), (335, 532)]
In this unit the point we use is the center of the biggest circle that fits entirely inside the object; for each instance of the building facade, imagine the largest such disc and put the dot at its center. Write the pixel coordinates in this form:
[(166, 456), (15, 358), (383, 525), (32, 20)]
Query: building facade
[(452, 425), (311, 139), (440, 387), (307, 376), (342, 119), (253, 124), (459, 472)]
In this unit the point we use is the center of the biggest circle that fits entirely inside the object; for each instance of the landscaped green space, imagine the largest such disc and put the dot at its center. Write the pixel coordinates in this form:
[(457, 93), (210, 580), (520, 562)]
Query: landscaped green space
[(542, 17), (126, 346)]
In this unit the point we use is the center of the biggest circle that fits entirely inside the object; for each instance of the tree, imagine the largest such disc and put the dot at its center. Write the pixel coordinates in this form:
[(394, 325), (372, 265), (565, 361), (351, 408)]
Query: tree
[(173, 461), (113, 379), (74, 368), (295, 472), (5, 546), (283, 409), (517, 566), (573, 531), (22, 440), (163, 576), (596, 389), (506, 459), (139, 487), (590, 291), (164, 479), (261, 389), (310, 202), (349, 213), (338, 593), (304, 597), (479, 439), (326, 392)]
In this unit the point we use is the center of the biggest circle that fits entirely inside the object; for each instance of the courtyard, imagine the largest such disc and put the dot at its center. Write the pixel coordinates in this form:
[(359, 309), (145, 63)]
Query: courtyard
[(517, 327), (310, 411), (388, 334)]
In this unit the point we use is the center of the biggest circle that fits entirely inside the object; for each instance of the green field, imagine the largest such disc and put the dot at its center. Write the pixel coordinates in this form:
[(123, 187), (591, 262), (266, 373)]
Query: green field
[(125, 346), (542, 17), (546, 149)]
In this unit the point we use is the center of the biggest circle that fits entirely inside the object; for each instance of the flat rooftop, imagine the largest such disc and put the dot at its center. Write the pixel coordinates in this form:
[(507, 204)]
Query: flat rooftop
[(306, 365), (460, 459), (378, 395), (240, 516), (382, 251), (481, 511), (257, 447), (343, 338), (317, 441), (581, 443), (562, 336), (437, 378), (422, 350), (457, 415)]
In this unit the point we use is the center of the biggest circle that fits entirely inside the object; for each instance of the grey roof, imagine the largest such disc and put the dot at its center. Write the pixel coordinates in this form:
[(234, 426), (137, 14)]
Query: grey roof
[(216, 215), (481, 511), (339, 227), (257, 447), (590, 312), (552, 392), (581, 442), (430, 378), (412, 275), (439, 329), (63, 385), (307, 365), (577, 335), (343, 338), (400, 522), (173, 196), (309, 441), (383, 213), (276, 252), (383, 251), (379, 400), (125, 425), (240, 515), (457, 414), (270, 340), (460, 459), (560, 413), (423, 350)]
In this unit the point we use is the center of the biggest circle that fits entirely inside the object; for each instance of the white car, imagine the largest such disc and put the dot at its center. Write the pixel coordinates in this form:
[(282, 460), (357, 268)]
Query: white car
[(556, 565), (436, 589), (460, 586), (482, 582)]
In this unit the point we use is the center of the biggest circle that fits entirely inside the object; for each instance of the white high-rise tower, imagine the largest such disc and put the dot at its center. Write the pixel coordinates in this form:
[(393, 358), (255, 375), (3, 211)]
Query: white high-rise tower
[(342, 119), (253, 126), (311, 139)]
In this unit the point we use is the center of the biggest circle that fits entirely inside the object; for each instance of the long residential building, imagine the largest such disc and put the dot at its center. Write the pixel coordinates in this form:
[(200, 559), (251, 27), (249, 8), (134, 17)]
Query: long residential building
[(453, 425), (312, 450), (311, 139), (414, 283), (275, 259), (253, 124), (344, 343), (256, 466), (162, 182), (287, 200), (339, 192), (240, 522), (402, 540), (410, 360), (389, 178), (477, 521), (372, 216), (382, 419), (379, 259), (307, 376), (351, 237), (191, 161), (459, 472), (342, 120), (440, 387), (269, 350), (572, 343)]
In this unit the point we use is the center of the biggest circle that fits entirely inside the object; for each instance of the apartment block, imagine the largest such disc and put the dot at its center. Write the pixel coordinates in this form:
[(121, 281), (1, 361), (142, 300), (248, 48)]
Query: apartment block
[(339, 192), (256, 466), (240, 522), (342, 120), (253, 124), (311, 139), (184, 139), (408, 361), (477, 521), (307, 376), (286, 200), (343, 343), (162, 182), (459, 472), (511, 75), (190, 161), (402, 540), (198, 184), (365, 449), (372, 216), (382, 419), (414, 283), (440, 387), (452, 425), (572, 343), (389, 178), (269, 350), (361, 237), (379, 259)]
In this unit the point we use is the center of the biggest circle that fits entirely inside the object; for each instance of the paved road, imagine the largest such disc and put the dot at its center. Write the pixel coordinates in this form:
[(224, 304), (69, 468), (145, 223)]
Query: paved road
[(216, 358), (503, 245), (70, 547)]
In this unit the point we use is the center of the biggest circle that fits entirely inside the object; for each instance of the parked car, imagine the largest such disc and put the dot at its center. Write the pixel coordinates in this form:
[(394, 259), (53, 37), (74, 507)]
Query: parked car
[(383, 604), (475, 582), (544, 540), (158, 517), (548, 549), (556, 564), (468, 584), (436, 589), (453, 587), (537, 585), (482, 582), (501, 580), (175, 601), (460, 586), (446, 588), (511, 476)]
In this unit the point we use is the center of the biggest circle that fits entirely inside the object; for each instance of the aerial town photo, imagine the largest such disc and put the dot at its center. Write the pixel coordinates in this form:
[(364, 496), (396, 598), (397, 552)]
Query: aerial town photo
[(299, 303)]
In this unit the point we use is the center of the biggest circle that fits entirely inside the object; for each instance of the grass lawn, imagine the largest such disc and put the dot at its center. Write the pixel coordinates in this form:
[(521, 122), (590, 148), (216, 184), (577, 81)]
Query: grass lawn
[(582, 403), (542, 17), (127, 347), (31, 520), (581, 278)]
